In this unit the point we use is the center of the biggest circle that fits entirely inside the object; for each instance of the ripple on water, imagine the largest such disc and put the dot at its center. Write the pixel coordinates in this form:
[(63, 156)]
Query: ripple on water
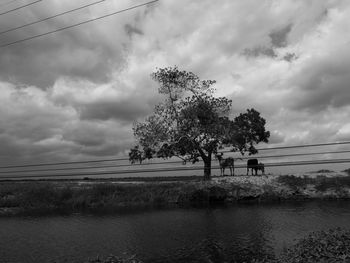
[(171, 235)]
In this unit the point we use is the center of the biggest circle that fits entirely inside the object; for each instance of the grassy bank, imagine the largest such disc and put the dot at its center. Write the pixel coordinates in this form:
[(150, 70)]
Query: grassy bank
[(30, 196), (18, 197)]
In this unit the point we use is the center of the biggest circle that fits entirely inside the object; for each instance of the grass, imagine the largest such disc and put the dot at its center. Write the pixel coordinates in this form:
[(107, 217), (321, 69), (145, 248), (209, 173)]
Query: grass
[(321, 183), (75, 196), (347, 171), (323, 171), (323, 246), (193, 178), (29, 196), (295, 182), (115, 259)]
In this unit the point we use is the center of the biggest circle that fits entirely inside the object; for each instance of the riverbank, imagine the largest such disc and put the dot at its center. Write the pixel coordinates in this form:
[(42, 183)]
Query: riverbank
[(18, 197)]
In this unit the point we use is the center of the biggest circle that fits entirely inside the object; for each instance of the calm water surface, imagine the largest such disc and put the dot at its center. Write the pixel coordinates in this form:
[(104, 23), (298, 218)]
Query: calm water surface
[(237, 233)]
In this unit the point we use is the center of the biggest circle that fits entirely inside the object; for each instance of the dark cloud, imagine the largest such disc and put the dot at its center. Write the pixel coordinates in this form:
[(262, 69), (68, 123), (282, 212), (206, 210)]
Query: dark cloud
[(87, 51), (85, 134), (279, 37), (130, 30), (127, 110), (323, 82), (9, 147), (42, 64), (290, 57), (259, 51), (278, 40), (276, 137), (110, 149), (114, 101), (82, 88)]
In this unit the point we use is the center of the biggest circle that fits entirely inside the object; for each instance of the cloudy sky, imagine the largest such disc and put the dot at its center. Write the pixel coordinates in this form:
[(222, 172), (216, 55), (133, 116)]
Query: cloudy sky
[(74, 95)]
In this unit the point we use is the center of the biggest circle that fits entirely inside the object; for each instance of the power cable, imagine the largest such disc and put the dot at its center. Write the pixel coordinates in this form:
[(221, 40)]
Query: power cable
[(63, 163), (290, 155), (157, 163), (77, 24), (172, 169), (83, 168), (20, 7), (51, 17), (299, 146), (126, 159)]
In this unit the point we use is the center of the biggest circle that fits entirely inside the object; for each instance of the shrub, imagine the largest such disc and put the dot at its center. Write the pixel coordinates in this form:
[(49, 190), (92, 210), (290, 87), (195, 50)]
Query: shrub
[(323, 246), (347, 171), (321, 183), (324, 183), (324, 171), (294, 182), (38, 195), (115, 259)]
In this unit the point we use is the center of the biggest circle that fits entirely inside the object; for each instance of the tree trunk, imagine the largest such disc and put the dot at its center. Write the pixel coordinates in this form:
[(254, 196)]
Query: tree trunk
[(207, 168)]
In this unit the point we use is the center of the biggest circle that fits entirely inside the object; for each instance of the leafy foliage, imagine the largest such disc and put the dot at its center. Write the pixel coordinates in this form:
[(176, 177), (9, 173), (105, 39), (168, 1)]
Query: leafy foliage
[(322, 183), (347, 171), (191, 123), (323, 246), (115, 259)]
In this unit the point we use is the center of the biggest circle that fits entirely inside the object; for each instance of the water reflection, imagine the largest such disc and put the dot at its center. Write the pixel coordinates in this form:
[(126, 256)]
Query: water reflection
[(217, 234)]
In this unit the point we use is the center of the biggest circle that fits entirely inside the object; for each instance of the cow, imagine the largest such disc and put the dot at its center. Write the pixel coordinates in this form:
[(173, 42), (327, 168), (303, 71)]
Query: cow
[(253, 164), (226, 162), (261, 167)]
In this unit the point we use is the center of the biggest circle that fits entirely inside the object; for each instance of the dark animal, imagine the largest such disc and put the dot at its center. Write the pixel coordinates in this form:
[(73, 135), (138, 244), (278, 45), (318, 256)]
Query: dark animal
[(226, 162), (253, 164), (261, 167)]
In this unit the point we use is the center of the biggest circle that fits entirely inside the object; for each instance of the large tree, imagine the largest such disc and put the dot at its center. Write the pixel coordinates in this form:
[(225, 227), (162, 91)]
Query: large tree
[(191, 123)]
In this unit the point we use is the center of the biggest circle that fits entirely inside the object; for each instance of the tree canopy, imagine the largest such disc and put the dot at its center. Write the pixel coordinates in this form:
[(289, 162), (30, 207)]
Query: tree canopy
[(192, 124)]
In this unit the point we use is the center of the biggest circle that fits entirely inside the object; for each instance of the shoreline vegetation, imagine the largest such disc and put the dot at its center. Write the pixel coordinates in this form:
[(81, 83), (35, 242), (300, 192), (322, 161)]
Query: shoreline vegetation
[(89, 195)]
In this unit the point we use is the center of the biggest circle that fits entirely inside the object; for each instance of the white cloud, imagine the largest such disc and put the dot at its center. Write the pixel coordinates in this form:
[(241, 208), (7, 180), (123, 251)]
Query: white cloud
[(82, 88)]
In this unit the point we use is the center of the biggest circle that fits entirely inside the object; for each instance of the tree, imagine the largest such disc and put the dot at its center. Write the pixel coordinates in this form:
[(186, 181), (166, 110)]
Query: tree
[(191, 123)]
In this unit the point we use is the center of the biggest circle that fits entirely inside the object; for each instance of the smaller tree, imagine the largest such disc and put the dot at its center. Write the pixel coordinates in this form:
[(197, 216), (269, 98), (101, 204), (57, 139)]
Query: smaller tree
[(192, 124)]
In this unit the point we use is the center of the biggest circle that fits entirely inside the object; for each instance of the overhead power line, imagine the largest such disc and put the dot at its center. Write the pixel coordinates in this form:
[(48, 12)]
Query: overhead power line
[(153, 163), (77, 24), (173, 169), (84, 168), (243, 157), (303, 146), (63, 163), (20, 7), (291, 155), (167, 169), (51, 17)]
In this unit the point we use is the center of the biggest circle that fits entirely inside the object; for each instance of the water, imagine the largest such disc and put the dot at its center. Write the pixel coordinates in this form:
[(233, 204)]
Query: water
[(238, 232)]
